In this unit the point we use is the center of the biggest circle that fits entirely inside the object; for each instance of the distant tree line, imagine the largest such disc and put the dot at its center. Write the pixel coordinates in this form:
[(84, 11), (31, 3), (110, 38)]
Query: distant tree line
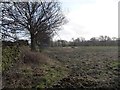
[(94, 41)]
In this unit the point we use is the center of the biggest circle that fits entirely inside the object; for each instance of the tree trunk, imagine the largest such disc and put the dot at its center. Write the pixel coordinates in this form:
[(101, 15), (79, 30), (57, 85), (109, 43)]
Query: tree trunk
[(33, 43)]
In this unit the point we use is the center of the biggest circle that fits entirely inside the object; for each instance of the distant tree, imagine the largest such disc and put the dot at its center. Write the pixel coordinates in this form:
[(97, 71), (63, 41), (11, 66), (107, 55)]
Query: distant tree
[(93, 39), (82, 39), (62, 43), (73, 42), (104, 38), (107, 38), (77, 41), (101, 38), (39, 20), (114, 38)]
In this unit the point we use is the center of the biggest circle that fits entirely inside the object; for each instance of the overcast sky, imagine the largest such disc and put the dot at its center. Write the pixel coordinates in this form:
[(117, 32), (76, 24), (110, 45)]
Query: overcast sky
[(89, 18)]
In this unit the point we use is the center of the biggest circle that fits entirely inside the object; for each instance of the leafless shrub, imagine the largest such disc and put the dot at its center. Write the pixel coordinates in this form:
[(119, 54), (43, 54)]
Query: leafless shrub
[(29, 57)]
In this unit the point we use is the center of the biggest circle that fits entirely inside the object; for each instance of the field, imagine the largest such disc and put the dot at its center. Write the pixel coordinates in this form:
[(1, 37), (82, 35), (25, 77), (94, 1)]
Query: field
[(61, 67), (90, 66)]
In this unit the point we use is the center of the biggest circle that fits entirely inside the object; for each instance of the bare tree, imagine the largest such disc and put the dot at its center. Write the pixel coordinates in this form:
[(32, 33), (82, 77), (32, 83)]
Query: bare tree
[(39, 20), (104, 38)]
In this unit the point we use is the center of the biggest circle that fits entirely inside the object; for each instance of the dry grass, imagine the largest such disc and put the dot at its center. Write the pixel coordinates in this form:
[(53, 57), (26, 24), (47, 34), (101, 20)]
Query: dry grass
[(29, 57), (33, 69)]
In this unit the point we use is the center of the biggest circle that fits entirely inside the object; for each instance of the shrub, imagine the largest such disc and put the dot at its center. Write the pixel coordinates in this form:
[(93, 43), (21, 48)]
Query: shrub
[(9, 57), (29, 57)]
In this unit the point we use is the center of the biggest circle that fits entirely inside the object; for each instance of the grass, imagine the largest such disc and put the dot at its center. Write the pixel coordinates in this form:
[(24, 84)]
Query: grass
[(115, 64), (29, 74), (51, 76)]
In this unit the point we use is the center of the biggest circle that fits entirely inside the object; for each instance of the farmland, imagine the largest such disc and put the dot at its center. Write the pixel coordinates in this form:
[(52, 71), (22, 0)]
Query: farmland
[(91, 67), (62, 67)]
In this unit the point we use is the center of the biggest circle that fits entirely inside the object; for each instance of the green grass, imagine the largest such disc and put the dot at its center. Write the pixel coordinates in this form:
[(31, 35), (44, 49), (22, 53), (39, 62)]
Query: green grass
[(115, 64), (51, 76)]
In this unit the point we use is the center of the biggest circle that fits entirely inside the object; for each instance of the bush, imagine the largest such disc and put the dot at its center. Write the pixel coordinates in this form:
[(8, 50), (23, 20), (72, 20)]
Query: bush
[(29, 57), (9, 57), (13, 55)]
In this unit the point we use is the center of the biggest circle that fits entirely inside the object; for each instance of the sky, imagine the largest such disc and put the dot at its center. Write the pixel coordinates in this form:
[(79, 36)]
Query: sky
[(89, 18)]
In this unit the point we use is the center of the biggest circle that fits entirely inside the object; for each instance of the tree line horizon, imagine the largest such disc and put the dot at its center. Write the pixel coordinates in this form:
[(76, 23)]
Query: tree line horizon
[(94, 41), (102, 40)]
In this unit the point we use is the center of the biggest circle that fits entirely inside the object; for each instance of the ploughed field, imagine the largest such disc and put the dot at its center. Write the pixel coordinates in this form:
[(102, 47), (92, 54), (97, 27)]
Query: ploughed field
[(89, 66)]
